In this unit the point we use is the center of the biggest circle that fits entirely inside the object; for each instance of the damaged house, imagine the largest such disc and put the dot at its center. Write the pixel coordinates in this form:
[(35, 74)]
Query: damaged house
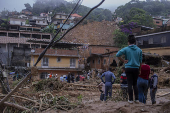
[(155, 43), (56, 61), (97, 38)]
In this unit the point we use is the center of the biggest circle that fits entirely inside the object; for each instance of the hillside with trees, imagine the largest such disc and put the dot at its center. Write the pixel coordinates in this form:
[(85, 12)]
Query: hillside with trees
[(61, 6), (153, 8)]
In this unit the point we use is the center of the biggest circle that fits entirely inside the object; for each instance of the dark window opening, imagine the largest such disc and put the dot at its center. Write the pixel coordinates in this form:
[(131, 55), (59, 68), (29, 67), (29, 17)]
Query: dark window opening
[(25, 35), (25, 46), (13, 34), (163, 39), (14, 27), (43, 75), (43, 46), (45, 61), (157, 22), (3, 34), (36, 36), (104, 62), (45, 36), (93, 61), (59, 59), (72, 63), (99, 61), (151, 41)]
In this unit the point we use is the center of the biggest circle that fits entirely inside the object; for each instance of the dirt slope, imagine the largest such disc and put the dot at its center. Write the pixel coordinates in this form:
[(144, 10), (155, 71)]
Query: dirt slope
[(95, 33)]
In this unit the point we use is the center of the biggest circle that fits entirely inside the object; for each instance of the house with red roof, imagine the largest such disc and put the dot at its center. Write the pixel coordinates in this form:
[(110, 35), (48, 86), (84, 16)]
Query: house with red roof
[(73, 16)]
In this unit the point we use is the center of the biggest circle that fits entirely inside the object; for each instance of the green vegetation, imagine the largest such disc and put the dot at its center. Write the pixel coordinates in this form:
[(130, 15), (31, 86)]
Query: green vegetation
[(120, 38), (153, 8), (27, 22), (138, 16), (5, 24), (80, 97), (49, 29), (15, 83), (62, 6)]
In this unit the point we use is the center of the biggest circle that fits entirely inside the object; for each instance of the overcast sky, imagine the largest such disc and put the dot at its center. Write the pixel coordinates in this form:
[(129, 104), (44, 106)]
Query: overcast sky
[(18, 5)]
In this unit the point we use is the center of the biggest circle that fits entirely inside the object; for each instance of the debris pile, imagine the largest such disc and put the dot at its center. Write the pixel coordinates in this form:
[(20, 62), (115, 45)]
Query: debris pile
[(95, 33), (153, 59), (48, 84), (164, 76)]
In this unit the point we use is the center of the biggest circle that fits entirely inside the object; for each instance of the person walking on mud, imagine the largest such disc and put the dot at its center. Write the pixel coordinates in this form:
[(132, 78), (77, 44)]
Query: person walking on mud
[(133, 60), (109, 76)]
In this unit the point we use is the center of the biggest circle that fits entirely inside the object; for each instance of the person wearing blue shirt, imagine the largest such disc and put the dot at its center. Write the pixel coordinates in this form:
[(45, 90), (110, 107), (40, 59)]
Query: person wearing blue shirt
[(133, 61), (109, 80)]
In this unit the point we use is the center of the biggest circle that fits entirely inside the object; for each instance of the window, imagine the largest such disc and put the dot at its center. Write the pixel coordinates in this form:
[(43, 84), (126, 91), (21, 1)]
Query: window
[(163, 39), (93, 61), (151, 41), (157, 22), (45, 61), (44, 75), (38, 21), (104, 62), (99, 61), (72, 63), (43, 21), (137, 42), (140, 42), (59, 59)]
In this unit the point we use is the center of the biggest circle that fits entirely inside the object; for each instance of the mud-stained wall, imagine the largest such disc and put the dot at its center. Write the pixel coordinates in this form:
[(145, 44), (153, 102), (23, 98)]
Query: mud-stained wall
[(159, 50)]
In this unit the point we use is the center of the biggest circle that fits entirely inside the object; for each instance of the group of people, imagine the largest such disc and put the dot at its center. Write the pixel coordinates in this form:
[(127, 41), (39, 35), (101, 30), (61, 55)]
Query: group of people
[(135, 76), (72, 78)]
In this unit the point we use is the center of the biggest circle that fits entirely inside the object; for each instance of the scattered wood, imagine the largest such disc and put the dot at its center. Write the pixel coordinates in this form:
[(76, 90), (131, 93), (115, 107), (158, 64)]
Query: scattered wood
[(163, 94), (15, 89), (22, 98), (15, 106)]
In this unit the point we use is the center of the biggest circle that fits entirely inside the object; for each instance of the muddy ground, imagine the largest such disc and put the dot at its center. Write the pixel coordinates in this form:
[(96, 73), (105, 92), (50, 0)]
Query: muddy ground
[(87, 99), (92, 104)]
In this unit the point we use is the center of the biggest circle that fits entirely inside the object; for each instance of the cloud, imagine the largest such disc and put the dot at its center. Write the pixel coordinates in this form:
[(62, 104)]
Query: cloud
[(109, 4), (18, 5)]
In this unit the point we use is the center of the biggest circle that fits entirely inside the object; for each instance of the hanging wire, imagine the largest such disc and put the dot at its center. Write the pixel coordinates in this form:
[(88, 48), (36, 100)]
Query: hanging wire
[(78, 6), (42, 54), (78, 22), (50, 44)]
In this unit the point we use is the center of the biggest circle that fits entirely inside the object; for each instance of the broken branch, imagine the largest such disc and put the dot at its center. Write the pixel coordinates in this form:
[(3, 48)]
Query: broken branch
[(15, 89), (15, 106)]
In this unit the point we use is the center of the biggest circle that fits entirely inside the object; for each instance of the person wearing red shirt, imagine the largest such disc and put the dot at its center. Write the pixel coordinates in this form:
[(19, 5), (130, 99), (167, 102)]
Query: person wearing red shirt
[(142, 81)]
